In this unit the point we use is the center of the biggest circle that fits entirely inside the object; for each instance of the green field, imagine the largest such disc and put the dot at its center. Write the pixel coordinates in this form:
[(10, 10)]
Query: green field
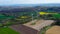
[(56, 16), (7, 30)]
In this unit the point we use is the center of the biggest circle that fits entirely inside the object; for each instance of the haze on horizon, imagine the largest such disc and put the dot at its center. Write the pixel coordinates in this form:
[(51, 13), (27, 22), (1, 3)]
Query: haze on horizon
[(11, 2)]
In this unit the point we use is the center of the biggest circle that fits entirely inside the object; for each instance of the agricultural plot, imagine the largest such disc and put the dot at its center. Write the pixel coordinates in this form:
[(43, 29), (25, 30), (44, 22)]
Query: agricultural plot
[(6, 30), (53, 30)]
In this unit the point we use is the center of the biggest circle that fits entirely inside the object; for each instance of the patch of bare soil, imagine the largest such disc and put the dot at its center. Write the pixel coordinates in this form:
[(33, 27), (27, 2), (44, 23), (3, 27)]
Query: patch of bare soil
[(53, 30)]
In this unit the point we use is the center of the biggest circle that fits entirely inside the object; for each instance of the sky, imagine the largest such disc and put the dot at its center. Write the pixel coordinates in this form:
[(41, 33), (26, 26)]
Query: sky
[(8, 2)]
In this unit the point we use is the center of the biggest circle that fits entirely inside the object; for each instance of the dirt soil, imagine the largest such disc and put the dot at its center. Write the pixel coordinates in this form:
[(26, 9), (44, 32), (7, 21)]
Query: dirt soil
[(27, 28), (53, 30), (39, 24)]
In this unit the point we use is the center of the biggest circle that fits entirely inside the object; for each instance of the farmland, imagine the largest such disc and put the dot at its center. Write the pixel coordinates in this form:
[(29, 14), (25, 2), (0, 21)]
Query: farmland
[(6, 30), (53, 30), (17, 16)]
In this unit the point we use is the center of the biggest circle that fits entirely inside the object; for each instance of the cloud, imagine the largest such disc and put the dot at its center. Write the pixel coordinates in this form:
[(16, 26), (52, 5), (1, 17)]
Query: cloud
[(50, 1), (7, 2)]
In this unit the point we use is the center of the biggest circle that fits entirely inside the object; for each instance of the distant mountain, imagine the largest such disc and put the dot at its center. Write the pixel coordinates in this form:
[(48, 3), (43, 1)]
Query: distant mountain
[(22, 5), (32, 5), (50, 5)]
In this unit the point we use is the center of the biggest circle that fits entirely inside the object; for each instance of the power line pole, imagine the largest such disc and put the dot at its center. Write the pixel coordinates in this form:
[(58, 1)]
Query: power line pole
[(36, 12), (32, 17)]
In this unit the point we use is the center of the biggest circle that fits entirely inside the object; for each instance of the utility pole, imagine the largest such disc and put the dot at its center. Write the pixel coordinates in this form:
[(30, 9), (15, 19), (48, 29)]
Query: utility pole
[(36, 12), (32, 17)]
